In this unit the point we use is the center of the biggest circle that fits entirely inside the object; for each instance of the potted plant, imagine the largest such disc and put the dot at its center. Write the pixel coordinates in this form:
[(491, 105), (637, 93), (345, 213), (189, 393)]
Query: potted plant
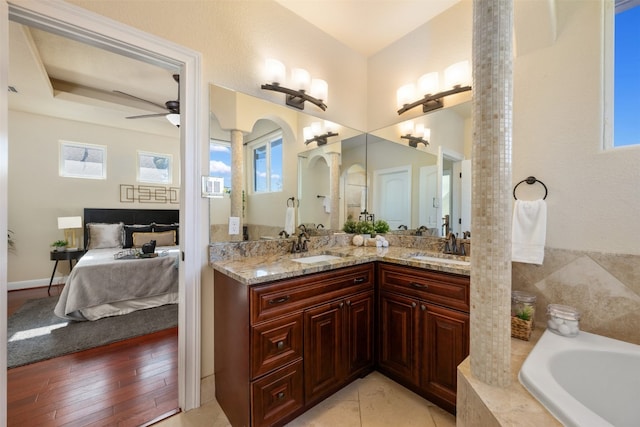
[(381, 226), (59, 245), (349, 226), (365, 228)]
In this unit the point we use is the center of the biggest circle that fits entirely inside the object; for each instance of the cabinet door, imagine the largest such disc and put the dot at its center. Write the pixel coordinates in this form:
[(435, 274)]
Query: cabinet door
[(445, 338), (359, 332), (277, 395), (323, 360), (398, 340)]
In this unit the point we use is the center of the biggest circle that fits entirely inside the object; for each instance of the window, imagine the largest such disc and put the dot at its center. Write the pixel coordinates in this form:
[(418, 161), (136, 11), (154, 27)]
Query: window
[(78, 160), (626, 92), (220, 162), (154, 167), (267, 163)]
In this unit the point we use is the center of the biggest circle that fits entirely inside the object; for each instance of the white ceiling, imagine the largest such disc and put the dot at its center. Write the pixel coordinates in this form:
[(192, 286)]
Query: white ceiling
[(367, 26), (53, 76)]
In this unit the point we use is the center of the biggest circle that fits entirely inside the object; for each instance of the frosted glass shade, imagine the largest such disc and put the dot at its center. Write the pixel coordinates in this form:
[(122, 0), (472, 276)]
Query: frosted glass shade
[(300, 79), (457, 75), (406, 95), (429, 84), (319, 89), (275, 71)]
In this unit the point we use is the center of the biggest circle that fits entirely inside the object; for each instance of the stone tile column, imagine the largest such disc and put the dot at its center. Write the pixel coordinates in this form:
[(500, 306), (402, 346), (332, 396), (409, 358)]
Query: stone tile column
[(491, 192), (237, 179)]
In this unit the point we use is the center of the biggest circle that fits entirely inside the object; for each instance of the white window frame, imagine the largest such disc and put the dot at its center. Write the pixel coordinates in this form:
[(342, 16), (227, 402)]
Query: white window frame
[(260, 142), (140, 176), (64, 172), (608, 72)]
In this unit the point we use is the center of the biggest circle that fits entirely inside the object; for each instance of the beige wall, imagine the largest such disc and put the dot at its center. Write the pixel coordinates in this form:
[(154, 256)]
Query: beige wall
[(557, 96), (38, 195)]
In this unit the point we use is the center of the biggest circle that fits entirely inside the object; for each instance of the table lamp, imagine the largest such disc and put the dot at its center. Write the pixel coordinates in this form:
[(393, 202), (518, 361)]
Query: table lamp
[(69, 224)]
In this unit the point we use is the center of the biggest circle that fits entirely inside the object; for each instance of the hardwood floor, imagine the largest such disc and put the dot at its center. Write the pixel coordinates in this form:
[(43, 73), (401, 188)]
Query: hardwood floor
[(129, 383)]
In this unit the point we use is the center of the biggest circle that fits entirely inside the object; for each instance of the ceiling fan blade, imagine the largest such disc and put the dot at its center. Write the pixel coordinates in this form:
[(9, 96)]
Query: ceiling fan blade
[(144, 116), (141, 99)]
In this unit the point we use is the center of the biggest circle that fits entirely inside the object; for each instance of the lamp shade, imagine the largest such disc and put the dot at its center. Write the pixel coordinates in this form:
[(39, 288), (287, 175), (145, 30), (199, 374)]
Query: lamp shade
[(457, 75), (275, 71), (428, 84), (405, 94), (174, 119), (65, 222), (319, 89), (300, 79)]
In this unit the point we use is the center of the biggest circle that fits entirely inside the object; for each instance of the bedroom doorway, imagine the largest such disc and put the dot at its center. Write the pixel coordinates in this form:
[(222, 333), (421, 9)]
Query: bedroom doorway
[(84, 26)]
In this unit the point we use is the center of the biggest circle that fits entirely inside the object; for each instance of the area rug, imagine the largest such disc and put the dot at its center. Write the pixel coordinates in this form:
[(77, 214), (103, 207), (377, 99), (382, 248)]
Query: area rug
[(36, 334)]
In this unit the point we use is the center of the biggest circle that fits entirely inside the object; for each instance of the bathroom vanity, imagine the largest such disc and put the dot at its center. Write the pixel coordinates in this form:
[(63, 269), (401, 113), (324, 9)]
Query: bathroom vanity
[(283, 345)]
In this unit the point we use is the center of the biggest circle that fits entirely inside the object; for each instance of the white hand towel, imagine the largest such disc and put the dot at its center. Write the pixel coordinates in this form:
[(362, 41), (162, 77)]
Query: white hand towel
[(290, 220), (529, 231), (327, 205)]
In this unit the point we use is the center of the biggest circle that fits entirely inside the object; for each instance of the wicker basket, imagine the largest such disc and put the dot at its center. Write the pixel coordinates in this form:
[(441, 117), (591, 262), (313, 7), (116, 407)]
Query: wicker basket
[(521, 329)]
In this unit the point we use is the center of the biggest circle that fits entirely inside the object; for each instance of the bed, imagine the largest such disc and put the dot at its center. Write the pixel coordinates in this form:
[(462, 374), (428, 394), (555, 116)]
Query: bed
[(109, 280)]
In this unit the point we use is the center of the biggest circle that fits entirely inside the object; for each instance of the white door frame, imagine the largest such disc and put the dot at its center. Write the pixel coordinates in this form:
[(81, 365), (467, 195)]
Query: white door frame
[(87, 27)]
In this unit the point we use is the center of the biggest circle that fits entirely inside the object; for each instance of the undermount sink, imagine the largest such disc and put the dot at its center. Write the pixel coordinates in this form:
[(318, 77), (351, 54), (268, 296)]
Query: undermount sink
[(316, 258), (439, 260)]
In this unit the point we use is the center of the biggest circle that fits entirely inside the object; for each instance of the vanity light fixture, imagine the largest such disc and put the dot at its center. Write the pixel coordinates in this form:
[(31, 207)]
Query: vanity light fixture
[(314, 133), (457, 78), (308, 89), (416, 135)]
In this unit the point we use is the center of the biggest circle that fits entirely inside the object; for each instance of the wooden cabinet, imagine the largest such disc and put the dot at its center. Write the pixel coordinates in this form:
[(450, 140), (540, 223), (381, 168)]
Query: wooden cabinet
[(424, 328), (338, 344), (283, 346)]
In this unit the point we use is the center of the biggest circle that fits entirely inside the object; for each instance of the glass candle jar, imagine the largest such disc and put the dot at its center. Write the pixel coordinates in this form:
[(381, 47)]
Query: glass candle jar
[(523, 305), (563, 320)]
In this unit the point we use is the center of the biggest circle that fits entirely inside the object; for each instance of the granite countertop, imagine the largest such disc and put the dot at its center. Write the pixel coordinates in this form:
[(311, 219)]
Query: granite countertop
[(254, 270)]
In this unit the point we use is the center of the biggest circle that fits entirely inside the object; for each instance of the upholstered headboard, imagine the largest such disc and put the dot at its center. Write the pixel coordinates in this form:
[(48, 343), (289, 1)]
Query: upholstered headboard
[(129, 217)]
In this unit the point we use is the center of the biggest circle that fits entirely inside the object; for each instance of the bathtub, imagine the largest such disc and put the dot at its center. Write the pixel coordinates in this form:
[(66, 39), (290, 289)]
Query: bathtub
[(585, 381)]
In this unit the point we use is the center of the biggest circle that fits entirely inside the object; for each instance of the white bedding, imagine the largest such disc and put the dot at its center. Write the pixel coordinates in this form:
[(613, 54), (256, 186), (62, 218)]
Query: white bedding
[(100, 286)]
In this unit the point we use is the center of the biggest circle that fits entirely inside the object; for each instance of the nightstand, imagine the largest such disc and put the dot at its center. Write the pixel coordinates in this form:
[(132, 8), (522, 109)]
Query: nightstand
[(62, 256)]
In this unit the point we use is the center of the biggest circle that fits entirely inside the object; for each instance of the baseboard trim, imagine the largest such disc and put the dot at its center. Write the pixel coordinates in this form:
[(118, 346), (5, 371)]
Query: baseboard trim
[(35, 283)]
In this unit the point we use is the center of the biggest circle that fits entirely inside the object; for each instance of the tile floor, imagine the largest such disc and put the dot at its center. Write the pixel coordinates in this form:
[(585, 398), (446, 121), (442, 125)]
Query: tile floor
[(368, 402)]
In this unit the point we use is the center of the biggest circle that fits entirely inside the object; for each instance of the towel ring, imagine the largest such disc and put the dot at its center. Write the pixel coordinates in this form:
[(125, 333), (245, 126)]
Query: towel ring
[(293, 202), (531, 180)]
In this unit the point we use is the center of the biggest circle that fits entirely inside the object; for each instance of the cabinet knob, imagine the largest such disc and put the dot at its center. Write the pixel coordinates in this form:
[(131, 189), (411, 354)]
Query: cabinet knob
[(413, 304), (280, 395), (349, 302), (280, 345), (341, 305), (423, 307)]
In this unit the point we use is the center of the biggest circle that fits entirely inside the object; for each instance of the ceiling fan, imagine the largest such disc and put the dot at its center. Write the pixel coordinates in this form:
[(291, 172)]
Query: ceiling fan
[(172, 107)]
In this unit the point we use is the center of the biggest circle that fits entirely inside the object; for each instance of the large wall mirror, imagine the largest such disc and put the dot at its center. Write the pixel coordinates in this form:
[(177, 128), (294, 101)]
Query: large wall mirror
[(353, 172)]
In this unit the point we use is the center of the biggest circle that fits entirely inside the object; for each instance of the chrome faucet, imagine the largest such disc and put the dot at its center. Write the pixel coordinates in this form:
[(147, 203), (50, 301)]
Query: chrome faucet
[(284, 233), (450, 246), (421, 230), (319, 226), (402, 227)]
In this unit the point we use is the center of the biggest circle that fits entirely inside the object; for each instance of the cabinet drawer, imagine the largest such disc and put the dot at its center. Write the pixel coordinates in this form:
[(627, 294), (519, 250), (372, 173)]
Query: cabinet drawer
[(277, 395), (275, 343), (450, 290), (283, 297)]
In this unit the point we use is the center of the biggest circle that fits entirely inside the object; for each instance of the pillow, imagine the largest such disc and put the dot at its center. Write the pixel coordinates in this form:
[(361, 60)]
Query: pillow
[(130, 229), (165, 238), (167, 227), (104, 235)]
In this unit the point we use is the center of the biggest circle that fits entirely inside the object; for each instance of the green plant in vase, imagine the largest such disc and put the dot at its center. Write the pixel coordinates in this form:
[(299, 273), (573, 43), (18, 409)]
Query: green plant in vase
[(365, 227), (59, 245), (349, 226), (526, 313), (381, 226)]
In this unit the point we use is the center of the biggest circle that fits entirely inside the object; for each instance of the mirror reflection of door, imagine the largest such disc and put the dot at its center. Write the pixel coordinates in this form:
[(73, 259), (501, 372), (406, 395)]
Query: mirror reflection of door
[(429, 205), (392, 196)]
